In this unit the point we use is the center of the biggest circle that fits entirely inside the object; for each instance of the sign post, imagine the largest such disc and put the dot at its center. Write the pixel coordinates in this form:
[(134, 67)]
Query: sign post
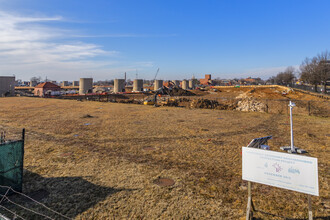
[(288, 171), (261, 144), (291, 105), (282, 170), (250, 207)]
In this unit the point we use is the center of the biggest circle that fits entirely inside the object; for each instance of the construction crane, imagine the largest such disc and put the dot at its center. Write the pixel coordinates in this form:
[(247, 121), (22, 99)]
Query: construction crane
[(156, 74)]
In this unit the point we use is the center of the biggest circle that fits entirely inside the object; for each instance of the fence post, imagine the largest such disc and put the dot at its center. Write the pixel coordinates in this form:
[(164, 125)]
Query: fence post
[(23, 134), (309, 107)]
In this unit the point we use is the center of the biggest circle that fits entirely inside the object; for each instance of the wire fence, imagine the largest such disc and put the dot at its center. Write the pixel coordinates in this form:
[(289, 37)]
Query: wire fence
[(310, 88), (12, 208), (316, 108)]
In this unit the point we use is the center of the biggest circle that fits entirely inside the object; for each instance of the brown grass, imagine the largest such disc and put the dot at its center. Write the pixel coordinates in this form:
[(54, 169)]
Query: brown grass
[(108, 171)]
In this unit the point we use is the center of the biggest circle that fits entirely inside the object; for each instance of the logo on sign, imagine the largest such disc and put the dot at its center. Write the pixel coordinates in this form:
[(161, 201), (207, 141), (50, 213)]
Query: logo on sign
[(277, 167), (293, 170)]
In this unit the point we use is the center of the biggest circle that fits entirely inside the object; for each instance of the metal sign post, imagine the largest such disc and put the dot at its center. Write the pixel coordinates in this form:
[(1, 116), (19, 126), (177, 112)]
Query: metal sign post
[(250, 207), (292, 148), (260, 143), (291, 105)]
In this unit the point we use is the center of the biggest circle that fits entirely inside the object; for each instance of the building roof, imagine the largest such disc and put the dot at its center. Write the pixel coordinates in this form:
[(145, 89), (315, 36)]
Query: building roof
[(47, 85)]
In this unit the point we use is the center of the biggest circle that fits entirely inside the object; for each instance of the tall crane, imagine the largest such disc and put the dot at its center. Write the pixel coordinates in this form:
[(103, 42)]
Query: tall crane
[(156, 74)]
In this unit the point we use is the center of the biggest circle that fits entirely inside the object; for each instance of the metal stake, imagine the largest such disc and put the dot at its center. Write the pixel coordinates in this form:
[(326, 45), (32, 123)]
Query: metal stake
[(291, 105)]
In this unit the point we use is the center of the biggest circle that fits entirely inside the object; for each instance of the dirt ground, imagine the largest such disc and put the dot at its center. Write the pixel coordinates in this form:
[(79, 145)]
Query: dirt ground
[(105, 165)]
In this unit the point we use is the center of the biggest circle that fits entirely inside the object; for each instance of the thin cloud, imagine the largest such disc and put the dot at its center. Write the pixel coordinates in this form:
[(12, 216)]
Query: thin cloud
[(28, 44), (125, 36), (266, 72)]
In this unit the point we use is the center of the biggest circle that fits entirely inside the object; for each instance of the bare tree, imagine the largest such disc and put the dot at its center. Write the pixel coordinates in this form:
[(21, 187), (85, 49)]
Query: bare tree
[(286, 77), (271, 80), (324, 68), (316, 70)]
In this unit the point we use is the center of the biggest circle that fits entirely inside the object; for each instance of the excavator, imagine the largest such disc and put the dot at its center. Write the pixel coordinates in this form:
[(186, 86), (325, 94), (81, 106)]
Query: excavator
[(163, 91)]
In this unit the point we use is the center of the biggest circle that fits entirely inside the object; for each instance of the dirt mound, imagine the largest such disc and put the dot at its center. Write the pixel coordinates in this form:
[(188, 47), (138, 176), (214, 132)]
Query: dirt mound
[(204, 103), (211, 104), (246, 94), (251, 105), (180, 92)]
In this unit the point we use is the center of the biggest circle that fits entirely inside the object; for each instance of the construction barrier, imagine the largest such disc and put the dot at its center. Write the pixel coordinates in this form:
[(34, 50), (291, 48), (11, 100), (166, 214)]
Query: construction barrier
[(11, 164)]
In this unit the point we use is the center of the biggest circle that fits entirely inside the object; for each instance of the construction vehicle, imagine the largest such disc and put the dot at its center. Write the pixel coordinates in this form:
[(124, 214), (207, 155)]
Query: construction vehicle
[(162, 96), (158, 93)]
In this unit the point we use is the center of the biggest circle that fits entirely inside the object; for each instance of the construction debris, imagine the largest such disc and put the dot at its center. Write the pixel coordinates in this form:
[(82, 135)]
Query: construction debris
[(204, 103), (176, 91), (212, 104), (251, 105)]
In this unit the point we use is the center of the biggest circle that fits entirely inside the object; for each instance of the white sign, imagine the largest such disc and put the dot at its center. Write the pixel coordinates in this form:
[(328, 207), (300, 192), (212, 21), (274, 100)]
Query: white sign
[(283, 170)]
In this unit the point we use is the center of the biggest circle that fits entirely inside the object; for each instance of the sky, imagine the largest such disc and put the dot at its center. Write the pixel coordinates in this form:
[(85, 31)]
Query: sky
[(103, 39)]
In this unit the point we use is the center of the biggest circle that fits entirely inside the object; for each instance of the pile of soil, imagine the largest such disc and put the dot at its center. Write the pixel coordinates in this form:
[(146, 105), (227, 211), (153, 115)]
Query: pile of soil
[(204, 103), (212, 104), (180, 92), (130, 101)]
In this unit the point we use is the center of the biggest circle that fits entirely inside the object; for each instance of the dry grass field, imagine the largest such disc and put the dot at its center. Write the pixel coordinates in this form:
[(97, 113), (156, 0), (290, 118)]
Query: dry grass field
[(105, 166)]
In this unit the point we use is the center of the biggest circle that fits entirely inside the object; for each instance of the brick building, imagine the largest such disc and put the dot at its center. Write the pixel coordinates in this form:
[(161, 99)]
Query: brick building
[(46, 89), (207, 80)]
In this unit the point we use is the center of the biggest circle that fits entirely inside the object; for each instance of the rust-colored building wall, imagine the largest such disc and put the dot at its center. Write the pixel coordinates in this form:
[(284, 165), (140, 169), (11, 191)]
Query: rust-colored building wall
[(250, 80), (208, 76), (38, 92), (207, 80), (204, 81)]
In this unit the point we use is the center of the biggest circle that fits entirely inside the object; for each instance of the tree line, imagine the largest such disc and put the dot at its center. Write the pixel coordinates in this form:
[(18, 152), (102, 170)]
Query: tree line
[(314, 71)]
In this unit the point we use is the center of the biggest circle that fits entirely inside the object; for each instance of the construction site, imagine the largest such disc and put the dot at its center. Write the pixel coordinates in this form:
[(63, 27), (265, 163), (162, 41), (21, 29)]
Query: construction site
[(164, 110), (171, 153)]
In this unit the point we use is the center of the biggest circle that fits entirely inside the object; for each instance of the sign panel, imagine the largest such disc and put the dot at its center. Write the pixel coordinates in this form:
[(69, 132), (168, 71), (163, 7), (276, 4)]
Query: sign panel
[(283, 170)]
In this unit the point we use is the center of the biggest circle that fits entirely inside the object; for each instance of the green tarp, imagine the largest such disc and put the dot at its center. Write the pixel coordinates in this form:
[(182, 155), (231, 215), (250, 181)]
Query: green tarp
[(11, 165)]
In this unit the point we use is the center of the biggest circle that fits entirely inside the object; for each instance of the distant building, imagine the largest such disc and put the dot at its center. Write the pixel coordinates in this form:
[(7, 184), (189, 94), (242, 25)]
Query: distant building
[(207, 80), (75, 83), (64, 83), (225, 82), (46, 89), (250, 80), (7, 86)]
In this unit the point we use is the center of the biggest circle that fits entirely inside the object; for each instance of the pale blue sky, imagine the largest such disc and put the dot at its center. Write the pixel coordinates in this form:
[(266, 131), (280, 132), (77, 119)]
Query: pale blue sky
[(69, 39)]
